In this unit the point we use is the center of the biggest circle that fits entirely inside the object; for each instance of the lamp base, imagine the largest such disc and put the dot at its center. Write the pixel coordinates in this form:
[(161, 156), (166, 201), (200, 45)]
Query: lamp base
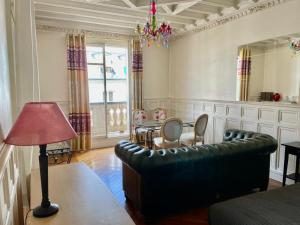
[(41, 212)]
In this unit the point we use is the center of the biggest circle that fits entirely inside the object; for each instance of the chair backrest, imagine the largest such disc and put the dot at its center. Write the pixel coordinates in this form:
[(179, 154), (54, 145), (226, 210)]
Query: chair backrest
[(138, 116), (159, 114), (171, 129), (200, 125)]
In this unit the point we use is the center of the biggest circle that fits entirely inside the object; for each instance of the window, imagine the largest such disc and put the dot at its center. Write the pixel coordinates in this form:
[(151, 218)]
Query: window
[(108, 77), (116, 74)]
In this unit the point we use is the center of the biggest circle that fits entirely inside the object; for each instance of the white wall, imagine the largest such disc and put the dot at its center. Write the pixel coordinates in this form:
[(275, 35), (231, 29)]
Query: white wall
[(18, 76), (5, 97), (52, 59), (26, 79), (203, 65), (156, 72), (282, 71)]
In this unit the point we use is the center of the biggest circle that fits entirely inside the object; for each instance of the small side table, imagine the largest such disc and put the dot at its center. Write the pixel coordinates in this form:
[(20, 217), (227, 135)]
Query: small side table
[(292, 148), (59, 153)]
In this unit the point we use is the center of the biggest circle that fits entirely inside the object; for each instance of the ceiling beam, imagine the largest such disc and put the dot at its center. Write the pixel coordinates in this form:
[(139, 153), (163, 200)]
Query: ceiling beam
[(205, 9), (130, 3), (145, 3), (40, 9), (167, 9), (111, 10), (220, 3), (193, 15), (183, 6), (81, 26), (92, 17), (80, 19)]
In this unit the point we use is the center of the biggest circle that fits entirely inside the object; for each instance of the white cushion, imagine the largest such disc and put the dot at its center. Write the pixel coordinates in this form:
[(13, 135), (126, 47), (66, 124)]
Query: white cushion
[(167, 144), (189, 138)]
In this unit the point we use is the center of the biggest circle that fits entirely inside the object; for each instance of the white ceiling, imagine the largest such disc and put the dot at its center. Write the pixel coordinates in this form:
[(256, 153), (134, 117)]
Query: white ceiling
[(122, 16)]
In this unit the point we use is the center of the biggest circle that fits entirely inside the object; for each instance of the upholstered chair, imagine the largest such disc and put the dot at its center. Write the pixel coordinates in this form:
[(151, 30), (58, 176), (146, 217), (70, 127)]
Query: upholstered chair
[(192, 138), (171, 131), (139, 116), (159, 114)]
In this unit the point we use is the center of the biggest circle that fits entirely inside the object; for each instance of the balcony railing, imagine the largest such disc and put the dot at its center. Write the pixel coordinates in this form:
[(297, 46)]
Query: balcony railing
[(117, 120)]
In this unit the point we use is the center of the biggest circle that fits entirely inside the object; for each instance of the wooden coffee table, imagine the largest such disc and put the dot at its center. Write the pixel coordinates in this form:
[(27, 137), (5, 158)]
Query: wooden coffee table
[(82, 198)]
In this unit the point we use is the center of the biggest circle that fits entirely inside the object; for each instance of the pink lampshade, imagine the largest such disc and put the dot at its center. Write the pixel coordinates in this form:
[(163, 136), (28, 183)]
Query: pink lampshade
[(40, 123)]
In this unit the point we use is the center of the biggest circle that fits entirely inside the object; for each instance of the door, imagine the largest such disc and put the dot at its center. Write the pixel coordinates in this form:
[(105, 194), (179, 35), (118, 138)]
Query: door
[(108, 90)]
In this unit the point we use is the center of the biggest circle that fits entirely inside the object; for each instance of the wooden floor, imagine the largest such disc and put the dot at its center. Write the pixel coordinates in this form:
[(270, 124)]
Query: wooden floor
[(109, 168)]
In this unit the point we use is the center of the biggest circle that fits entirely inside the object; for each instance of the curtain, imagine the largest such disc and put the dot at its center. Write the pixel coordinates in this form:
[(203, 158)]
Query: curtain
[(137, 72), (79, 110), (243, 74)]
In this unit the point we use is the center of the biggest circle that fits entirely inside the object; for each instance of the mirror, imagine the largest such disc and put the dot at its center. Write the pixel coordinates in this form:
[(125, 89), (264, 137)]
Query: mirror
[(275, 68)]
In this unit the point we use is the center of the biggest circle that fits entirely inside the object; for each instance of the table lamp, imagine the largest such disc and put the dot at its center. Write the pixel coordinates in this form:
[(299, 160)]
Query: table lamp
[(41, 123)]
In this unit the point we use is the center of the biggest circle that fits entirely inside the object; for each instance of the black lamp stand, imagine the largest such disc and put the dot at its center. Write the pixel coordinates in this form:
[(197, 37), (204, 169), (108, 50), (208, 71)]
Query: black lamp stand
[(46, 208)]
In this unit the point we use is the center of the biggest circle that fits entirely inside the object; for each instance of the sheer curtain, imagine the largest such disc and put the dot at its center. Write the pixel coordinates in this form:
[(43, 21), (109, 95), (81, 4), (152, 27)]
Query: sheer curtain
[(79, 109), (243, 74)]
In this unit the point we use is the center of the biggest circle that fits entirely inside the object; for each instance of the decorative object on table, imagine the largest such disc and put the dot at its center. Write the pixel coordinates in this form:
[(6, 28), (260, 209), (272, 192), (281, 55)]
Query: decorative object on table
[(159, 114), (41, 123), (152, 32), (243, 74), (193, 138), (294, 99), (138, 117), (292, 148), (170, 132), (59, 153), (276, 97), (295, 45), (266, 96)]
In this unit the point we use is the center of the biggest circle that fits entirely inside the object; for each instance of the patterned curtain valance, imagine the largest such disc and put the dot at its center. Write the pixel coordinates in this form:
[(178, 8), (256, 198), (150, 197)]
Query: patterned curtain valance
[(137, 60), (76, 52)]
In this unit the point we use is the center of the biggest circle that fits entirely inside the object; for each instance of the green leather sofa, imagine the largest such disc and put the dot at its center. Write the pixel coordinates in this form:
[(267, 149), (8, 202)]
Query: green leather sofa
[(155, 180)]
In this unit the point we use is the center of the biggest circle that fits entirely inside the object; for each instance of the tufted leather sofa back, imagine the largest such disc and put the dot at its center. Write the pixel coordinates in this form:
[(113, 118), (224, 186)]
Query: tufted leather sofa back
[(236, 145), (233, 134)]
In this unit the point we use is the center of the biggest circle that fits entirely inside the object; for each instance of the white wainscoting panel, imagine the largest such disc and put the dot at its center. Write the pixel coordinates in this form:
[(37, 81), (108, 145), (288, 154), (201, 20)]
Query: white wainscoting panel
[(282, 121), (267, 114), (11, 206)]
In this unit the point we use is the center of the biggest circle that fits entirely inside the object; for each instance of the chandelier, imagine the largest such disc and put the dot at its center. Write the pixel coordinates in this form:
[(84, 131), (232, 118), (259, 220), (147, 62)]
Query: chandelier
[(151, 32), (295, 45)]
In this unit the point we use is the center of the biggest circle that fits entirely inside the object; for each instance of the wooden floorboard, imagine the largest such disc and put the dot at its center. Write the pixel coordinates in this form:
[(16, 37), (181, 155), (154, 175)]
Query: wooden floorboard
[(109, 168)]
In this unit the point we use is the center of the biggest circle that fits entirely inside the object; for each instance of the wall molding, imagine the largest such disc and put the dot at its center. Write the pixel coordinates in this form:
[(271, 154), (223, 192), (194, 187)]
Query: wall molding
[(104, 35), (235, 15)]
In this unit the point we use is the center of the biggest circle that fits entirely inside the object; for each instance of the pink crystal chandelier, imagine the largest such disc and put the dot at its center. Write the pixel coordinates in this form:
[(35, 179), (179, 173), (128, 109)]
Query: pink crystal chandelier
[(152, 32)]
